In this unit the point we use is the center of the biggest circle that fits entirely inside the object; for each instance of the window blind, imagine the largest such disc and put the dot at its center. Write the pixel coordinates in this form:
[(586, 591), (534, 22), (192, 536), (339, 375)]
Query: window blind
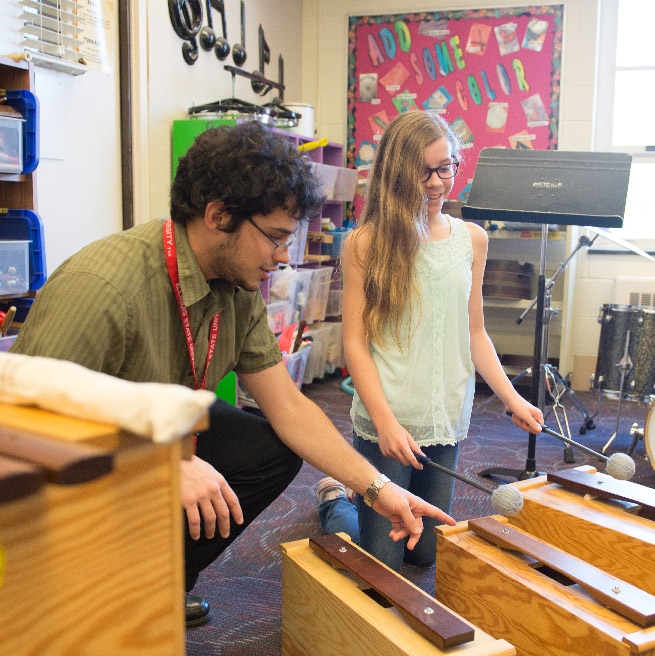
[(51, 34)]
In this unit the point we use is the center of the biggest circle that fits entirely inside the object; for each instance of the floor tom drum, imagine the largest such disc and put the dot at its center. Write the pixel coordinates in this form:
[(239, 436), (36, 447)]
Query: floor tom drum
[(634, 325), (649, 433)]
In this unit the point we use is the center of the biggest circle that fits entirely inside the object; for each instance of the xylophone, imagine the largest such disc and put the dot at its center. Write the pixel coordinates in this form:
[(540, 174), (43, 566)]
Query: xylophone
[(90, 547), (604, 521), (543, 600), (337, 600)]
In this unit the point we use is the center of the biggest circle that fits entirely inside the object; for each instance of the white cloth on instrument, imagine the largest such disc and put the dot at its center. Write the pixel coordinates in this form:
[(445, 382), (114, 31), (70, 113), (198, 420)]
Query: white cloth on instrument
[(157, 411)]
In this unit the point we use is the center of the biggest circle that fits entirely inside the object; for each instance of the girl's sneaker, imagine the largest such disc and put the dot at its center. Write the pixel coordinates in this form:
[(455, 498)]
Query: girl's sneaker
[(329, 488)]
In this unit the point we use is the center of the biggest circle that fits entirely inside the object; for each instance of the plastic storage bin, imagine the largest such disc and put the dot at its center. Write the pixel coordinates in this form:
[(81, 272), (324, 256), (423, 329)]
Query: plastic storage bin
[(27, 105), (302, 294), (297, 249), (293, 286), (6, 342), (334, 303), (283, 285), (335, 357), (295, 364), (338, 238), (317, 359), (279, 315), (14, 267), (317, 296), (345, 185), (11, 144), (327, 175), (25, 225)]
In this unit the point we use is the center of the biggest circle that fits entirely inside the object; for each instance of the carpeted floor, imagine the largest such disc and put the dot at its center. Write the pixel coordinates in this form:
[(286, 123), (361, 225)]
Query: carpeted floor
[(244, 585)]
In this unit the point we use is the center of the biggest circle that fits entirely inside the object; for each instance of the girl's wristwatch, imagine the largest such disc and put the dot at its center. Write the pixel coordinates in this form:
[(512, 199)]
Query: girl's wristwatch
[(372, 493)]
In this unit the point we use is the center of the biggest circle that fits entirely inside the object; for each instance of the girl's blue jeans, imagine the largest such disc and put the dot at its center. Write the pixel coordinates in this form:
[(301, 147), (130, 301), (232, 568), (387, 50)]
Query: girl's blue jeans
[(370, 530)]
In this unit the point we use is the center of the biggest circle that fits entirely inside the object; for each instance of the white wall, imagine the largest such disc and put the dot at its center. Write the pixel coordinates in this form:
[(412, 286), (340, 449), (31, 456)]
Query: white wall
[(174, 86), (79, 175)]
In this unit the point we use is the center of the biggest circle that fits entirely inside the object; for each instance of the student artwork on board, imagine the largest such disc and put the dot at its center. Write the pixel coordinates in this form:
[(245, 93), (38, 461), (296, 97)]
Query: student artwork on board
[(492, 74), (368, 87), (497, 117)]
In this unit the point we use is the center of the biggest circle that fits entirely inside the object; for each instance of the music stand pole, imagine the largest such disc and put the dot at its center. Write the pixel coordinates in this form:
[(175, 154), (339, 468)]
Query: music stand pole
[(540, 354), (538, 373)]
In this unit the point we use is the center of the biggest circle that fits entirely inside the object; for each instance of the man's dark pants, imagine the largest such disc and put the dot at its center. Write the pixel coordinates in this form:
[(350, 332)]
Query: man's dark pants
[(244, 448)]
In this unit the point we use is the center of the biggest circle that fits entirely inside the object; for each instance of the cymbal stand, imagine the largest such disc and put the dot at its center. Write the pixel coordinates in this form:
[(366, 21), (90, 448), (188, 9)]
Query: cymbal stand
[(624, 365), (557, 388)]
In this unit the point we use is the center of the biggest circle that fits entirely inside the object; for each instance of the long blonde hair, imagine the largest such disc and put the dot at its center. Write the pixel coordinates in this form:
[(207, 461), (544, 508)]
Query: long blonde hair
[(395, 202)]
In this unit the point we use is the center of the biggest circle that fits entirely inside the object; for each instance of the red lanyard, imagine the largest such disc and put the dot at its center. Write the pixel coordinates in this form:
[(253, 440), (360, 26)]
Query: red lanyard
[(171, 261)]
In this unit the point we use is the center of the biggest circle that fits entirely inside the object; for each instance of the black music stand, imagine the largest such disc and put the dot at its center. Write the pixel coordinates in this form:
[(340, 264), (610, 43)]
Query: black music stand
[(546, 187)]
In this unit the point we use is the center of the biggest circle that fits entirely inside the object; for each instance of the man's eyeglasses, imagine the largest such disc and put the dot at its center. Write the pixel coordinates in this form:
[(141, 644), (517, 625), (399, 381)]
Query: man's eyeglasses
[(278, 245), (445, 171)]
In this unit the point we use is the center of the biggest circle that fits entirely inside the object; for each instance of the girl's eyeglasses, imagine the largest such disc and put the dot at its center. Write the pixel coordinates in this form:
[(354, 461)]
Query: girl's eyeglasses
[(445, 171)]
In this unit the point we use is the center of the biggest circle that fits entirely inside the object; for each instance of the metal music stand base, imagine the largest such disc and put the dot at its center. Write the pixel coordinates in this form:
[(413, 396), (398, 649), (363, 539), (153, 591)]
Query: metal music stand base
[(511, 473)]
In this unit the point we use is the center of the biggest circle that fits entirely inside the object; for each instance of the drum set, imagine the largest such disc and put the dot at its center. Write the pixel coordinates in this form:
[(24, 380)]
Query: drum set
[(625, 368)]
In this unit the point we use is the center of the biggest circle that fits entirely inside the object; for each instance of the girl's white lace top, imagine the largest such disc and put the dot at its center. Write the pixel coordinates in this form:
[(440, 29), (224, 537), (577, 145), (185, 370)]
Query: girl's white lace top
[(430, 384)]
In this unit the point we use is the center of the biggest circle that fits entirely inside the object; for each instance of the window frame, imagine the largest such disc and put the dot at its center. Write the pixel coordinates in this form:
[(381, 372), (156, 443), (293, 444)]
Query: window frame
[(604, 118)]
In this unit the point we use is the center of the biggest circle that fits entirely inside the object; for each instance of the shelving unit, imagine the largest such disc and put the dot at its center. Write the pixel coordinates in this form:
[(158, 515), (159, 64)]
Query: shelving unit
[(515, 342), (17, 191)]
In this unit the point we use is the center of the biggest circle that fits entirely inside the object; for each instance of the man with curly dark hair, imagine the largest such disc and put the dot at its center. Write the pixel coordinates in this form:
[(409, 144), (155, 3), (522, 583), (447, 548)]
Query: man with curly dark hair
[(178, 301)]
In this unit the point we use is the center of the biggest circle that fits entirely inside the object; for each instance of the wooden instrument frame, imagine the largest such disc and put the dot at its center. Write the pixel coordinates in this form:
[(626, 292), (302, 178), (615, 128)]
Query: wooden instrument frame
[(325, 612), (510, 596), (434, 622), (607, 533), (93, 567)]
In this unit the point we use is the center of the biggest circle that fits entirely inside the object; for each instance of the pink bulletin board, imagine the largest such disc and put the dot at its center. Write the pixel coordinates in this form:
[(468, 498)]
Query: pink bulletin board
[(492, 74)]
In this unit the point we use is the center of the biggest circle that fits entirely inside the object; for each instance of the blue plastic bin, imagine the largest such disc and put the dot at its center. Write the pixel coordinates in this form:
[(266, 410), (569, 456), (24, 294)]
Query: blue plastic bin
[(27, 225), (28, 105), (338, 238)]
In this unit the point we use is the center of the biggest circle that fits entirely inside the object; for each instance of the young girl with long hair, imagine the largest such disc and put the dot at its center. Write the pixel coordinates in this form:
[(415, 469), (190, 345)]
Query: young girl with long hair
[(414, 331)]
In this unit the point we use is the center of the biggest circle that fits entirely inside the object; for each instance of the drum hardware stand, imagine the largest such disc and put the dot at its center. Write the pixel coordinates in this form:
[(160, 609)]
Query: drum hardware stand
[(636, 434), (551, 369), (625, 365), (556, 391), (540, 362)]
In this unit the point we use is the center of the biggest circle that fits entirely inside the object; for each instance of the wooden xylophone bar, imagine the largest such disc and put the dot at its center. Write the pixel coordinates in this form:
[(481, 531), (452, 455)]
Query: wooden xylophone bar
[(18, 479), (594, 517), (606, 487), (61, 462), (431, 620), (626, 599)]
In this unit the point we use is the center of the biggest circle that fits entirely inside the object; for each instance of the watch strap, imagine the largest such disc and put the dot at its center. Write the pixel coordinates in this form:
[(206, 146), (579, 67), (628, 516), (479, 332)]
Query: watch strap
[(374, 489)]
